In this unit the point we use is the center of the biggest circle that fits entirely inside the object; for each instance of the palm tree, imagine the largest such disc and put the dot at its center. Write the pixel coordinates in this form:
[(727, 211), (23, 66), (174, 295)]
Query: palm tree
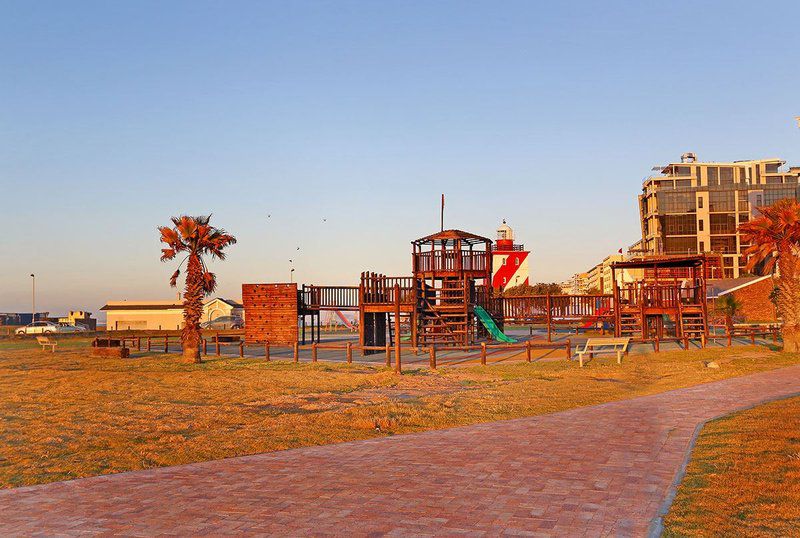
[(774, 239), (728, 306), (197, 238)]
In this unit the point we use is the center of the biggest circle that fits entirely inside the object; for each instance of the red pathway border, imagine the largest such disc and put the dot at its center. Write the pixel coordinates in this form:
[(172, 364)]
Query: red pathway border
[(593, 471)]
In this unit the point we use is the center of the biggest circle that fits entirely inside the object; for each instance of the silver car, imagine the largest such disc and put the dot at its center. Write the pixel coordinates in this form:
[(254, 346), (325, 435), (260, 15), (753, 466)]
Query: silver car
[(48, 327), (223, 322)]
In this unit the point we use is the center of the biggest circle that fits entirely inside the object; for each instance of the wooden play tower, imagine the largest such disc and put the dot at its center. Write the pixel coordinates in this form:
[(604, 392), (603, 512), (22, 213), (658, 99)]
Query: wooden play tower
[(667, 300), (451, 274)]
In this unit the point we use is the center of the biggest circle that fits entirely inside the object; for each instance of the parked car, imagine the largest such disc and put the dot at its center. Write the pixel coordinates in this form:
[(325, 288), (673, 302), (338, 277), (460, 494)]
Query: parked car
[(48, 327), (223, 322)]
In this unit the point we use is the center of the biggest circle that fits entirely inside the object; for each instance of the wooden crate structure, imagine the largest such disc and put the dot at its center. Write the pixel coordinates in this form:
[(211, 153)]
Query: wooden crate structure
[(270, 313)]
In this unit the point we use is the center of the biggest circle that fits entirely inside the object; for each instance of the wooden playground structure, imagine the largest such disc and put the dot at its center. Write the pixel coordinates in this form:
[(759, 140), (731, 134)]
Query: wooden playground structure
[(669, 301), (448, 301)]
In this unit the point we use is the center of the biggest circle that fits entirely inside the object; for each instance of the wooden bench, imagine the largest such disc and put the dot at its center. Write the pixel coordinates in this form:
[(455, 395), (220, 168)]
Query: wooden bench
[(45, 341), (604, 345)]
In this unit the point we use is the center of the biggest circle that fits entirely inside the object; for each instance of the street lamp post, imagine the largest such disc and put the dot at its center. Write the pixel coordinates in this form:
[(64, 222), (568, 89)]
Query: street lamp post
[(33, 297)]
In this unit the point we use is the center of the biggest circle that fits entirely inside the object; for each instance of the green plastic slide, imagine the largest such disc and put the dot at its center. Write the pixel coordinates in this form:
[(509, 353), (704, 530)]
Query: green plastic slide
[(491, 326)]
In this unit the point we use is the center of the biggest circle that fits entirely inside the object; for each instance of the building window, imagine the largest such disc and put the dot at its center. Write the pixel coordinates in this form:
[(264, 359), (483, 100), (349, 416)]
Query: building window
[(702, 246), (680, 224), (713, 175), (700, 202), (772, 195), (676, 202), (721, 201), (700, 225), (723, 244), (680, 245), (723, 224)]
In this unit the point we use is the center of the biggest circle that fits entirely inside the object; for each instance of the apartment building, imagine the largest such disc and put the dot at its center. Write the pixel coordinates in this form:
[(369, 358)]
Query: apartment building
[(696, 207), (577, 284)]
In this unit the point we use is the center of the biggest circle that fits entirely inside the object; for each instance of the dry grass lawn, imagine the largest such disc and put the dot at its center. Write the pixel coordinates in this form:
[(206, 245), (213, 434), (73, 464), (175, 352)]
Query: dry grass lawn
[(744, 476), (69, 415)]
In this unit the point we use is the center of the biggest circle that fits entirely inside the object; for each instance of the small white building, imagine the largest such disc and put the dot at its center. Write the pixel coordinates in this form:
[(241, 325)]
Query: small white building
[(162, 315), (219, 307)]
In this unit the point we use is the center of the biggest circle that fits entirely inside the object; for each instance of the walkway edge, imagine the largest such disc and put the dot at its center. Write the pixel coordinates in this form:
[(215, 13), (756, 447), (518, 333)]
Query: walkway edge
[(657, 525)]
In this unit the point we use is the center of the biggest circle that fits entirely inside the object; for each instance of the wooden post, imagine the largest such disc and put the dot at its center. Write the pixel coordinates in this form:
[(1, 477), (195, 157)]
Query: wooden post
[(148, 343), (388, 356), (549, 318), (656, 344), (685, 342), (753, 337), (397, 363), (349, 352), (483, 353), (774, 335), (528, 350), (216, 343), (432, 351), (730, 339), (266, 352), (241, 349), (296, 350), (569, 349), (205, 346), (314, 352), (166, 344)]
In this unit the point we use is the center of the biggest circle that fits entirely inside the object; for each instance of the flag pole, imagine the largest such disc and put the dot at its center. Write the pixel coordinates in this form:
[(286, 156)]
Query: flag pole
[(442, 214)]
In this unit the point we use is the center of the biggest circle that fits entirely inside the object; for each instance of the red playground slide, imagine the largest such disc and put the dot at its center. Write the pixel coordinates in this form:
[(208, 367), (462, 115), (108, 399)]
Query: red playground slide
[(346, 321), (594, 320)]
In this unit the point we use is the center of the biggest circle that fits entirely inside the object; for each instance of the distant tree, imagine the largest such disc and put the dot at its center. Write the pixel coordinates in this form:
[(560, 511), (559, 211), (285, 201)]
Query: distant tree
[(774, 239), (537, 289), (197, 238), (594, 291), (728, 306)]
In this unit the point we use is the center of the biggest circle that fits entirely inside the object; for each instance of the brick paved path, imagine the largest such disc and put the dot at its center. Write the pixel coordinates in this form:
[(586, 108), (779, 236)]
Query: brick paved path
[(601, 470)]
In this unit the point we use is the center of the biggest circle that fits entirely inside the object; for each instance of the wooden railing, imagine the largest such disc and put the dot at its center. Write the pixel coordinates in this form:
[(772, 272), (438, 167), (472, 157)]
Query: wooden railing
[(437, 260), (542, 307), (329, 297), (380, 289), (667, 296)]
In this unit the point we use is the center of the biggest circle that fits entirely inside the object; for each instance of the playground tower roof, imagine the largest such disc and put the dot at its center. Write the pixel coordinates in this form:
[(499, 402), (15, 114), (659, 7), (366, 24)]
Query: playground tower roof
[(450, 237)]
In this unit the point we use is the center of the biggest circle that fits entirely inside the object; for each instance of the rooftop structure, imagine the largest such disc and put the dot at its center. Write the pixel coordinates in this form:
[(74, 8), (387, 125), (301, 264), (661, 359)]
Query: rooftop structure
[(696, 207)]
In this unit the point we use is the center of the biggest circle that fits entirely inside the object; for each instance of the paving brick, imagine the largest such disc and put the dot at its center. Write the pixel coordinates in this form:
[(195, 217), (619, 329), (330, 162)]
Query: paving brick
[(595, 471)]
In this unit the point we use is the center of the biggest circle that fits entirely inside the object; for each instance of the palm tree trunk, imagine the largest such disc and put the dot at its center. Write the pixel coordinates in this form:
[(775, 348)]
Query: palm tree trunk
[(192, 310), (789, 299)]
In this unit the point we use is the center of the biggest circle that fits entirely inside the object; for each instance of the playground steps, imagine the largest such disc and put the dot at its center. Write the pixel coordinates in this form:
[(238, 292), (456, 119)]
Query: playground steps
[(443, 316), (693, 323), (630, 325)]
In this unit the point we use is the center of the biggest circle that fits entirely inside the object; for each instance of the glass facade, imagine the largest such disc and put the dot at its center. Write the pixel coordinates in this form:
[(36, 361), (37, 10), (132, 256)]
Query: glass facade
[(721, 201), (685, 216), (676, 202), (680, 224), (723, 223)]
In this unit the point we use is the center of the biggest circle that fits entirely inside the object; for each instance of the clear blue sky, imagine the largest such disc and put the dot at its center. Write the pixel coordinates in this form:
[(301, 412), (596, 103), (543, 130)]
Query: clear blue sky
[(115, 116)]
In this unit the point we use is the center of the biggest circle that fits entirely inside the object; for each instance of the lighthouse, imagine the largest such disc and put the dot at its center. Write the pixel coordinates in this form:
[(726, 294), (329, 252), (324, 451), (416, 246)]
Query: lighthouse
[(509, 260)]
